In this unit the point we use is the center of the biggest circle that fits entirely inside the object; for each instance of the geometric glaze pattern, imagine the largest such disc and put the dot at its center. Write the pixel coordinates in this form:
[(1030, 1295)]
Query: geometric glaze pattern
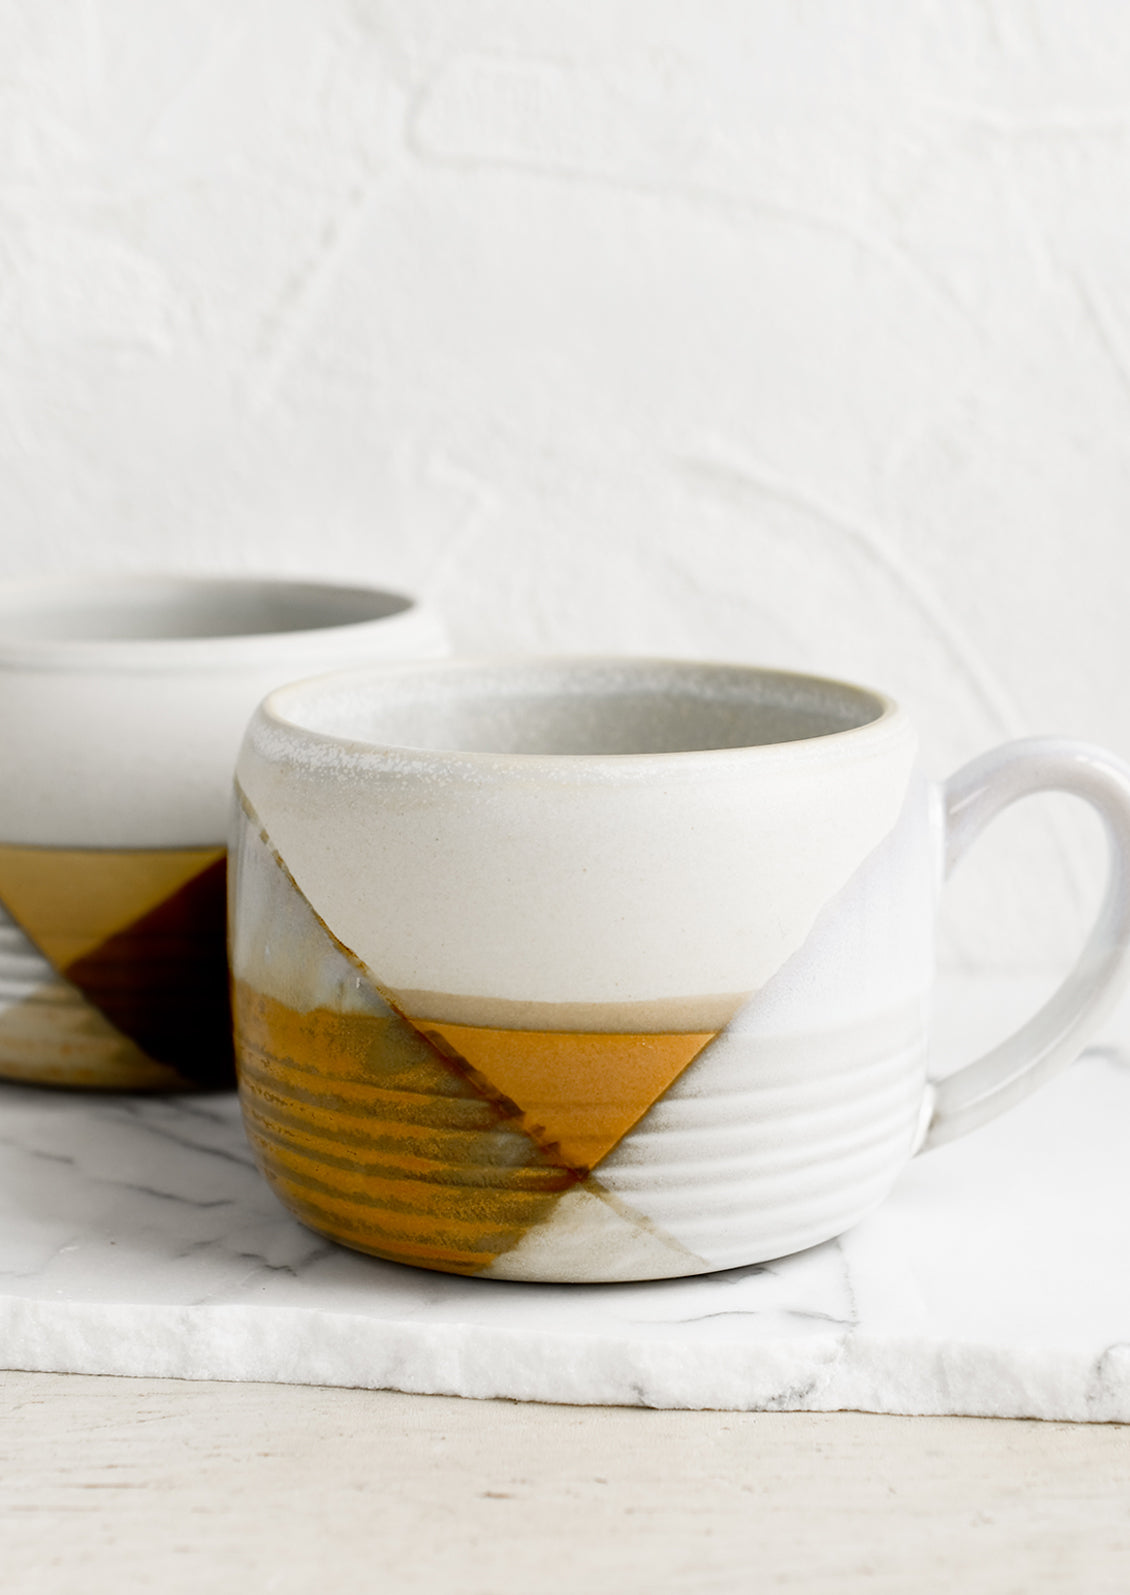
[(520, 1153), (380, 1134), (371, 1138), (791, 1125), (771, 1145), (670, 924), (112, 968), (577, 1091)]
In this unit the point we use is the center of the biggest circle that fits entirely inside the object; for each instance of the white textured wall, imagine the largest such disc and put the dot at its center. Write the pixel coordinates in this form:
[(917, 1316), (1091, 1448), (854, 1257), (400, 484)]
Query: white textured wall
[(785, 330)]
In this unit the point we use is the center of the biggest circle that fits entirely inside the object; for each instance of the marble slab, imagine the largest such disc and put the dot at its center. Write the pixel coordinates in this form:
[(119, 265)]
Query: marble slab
[(136, 1238)]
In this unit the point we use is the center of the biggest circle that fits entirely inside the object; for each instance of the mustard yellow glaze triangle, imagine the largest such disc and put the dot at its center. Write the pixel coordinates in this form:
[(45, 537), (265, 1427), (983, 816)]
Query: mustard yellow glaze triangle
[(580, 1091), (69, 900)]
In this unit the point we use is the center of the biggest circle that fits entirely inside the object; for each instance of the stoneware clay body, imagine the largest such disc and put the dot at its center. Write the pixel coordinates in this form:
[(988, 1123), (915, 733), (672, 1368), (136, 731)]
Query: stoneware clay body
[(611, 969), (122, 705)]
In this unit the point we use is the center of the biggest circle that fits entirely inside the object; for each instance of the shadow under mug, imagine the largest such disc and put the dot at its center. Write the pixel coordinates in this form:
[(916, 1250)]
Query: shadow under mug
[(122, 704), (586, 970)]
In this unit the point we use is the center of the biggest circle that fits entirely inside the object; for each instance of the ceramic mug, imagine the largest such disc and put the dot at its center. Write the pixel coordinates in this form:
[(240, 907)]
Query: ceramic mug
[(612, 969), (122, 704)]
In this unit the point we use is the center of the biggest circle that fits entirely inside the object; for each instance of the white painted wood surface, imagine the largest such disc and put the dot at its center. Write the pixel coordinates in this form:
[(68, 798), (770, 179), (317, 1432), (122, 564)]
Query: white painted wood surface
[(115, 1485)]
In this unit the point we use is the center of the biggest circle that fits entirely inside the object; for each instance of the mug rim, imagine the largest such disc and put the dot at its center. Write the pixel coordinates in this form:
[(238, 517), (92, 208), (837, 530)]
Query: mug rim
[(392, 608), (889, 720)]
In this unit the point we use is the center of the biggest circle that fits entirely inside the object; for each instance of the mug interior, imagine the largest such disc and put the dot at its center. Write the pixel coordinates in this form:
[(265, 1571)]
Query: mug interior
[(154, 608), (575, 707)]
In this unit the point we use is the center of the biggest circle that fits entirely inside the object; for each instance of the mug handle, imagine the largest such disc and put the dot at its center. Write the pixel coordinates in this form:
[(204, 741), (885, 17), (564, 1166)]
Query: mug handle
[(1058, 1032)]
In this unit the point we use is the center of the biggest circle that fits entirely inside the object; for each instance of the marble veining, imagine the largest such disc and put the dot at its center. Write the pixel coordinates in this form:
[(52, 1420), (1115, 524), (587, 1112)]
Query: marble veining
[(138, 1239)]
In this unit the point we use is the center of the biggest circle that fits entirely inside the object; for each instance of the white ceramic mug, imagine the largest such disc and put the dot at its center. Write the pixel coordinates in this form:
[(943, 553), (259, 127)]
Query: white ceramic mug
[(122, 704), (612, 969)]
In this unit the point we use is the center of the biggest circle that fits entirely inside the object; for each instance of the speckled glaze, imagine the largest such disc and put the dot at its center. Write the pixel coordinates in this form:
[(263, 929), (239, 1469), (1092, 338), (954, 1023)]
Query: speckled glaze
[(593, 970), (122, 704)]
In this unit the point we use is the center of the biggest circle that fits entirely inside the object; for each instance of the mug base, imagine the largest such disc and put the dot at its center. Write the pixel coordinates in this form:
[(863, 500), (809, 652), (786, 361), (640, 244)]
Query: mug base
[(557, 1257)]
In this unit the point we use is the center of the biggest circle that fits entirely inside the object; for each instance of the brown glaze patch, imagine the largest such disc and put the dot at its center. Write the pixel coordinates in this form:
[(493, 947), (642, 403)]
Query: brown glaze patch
[(139, 935), (367, 1135), (577, 1092), (55, 1037), (163, 981)]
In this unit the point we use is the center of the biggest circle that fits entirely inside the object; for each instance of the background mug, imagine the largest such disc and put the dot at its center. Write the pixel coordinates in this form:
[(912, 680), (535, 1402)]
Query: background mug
[(122, 704), (612, 969)]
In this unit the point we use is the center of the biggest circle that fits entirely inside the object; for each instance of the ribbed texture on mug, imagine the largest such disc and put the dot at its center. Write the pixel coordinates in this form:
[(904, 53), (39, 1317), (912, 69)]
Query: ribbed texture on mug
[(767, 1146), (22, 967), (370, 1138)]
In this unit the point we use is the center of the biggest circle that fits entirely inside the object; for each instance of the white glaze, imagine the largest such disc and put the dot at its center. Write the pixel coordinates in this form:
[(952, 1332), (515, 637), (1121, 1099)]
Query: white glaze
[(527, 845), (124, 697), (122, 701), (1057, 1031), (583, 879)]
